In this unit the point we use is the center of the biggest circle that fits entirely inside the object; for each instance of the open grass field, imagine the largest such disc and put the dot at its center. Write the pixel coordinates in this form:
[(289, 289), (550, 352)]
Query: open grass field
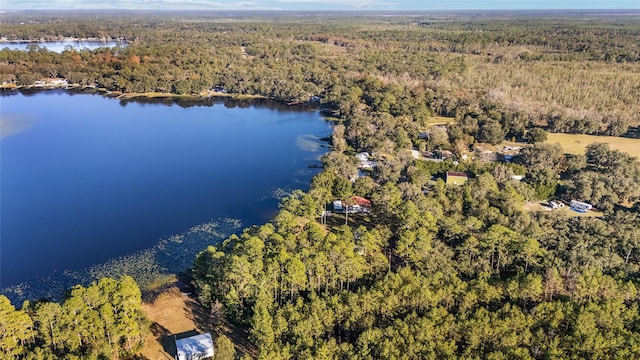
[(335, 221), (169, 313), (576, 143), (172, 311), (440, 120)]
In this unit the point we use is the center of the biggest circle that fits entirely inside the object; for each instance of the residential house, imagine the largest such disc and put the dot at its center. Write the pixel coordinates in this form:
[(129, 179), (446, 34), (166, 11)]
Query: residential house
[(363, 156), (194, 347), (365, 163), (354, 204)]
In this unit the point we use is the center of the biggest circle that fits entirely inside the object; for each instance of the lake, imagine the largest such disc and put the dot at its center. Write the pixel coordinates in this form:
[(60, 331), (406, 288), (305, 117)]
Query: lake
[(59, 46), (87, 178)]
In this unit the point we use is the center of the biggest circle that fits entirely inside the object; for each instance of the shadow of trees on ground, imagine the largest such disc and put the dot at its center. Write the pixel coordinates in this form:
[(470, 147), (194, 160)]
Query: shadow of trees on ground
[(215, 322), (168, 341)]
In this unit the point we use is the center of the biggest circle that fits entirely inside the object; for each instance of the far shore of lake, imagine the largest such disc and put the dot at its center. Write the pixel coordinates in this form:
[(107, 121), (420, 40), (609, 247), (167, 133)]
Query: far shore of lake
[(145, 95), (50, 39)]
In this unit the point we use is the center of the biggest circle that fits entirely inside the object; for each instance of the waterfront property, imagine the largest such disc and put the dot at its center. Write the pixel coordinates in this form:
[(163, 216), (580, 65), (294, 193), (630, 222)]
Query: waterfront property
[(51, 82), (353, 205)]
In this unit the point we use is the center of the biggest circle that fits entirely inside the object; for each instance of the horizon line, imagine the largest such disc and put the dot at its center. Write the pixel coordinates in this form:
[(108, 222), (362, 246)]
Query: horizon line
[(321, 11)]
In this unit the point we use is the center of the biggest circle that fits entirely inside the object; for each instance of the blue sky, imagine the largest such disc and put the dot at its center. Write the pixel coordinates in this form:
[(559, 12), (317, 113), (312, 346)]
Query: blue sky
[(318, 4)]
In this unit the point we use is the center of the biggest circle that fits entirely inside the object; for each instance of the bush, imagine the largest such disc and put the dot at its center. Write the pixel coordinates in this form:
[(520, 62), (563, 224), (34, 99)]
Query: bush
[(535, 135)]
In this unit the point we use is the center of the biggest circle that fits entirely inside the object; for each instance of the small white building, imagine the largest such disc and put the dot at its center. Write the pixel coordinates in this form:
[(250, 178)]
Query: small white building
[(57, 82), (355, 204), (556, 204), (363, 156), (364, 162), (194, 347), (580, 206)]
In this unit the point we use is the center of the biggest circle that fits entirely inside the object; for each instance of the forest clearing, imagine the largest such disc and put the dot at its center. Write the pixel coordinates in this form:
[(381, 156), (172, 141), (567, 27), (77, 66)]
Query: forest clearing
[(171, 311), (577, 143)]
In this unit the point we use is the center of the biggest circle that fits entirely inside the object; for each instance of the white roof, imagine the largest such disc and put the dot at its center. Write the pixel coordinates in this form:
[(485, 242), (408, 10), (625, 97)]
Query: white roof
[(195, 347)]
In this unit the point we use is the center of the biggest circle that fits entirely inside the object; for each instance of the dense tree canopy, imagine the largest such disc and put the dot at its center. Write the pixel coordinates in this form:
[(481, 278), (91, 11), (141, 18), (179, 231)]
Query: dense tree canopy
[(450, 272), (102, 321)]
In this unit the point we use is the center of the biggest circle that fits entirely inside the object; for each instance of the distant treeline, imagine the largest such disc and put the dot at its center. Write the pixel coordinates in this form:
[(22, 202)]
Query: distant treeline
[(569, 75)]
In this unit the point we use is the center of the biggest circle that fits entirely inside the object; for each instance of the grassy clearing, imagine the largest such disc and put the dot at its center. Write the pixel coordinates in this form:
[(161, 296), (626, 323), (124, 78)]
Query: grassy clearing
[(335, 221), (576, 143), (172, 311), (440, 120), (169, 313)]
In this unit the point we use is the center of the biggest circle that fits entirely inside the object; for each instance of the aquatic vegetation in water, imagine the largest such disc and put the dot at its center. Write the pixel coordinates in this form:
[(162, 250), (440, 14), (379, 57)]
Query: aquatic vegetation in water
[(309, 143), (169, 256)]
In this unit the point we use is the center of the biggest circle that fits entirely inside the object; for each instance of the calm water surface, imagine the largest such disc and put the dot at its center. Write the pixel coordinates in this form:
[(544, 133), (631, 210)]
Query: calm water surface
[(59, 46), (86, 178)]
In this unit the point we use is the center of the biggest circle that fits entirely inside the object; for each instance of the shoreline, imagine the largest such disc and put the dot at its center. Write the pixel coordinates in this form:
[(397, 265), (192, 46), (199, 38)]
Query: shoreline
[(52, 286), (59, 39), (150, 95), (150, 267)]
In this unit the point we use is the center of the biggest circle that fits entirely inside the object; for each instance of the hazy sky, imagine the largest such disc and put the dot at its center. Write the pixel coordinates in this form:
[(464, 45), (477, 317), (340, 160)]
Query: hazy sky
[(318, 4)]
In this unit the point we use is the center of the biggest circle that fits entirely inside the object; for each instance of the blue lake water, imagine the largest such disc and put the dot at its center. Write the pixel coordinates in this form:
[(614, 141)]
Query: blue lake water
[(86, 178), (59, 46)]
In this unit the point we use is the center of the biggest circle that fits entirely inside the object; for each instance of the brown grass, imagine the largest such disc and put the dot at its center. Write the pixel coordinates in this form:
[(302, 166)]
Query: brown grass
[(171, 310), (576, 143), (441, 120), (170, 313)]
